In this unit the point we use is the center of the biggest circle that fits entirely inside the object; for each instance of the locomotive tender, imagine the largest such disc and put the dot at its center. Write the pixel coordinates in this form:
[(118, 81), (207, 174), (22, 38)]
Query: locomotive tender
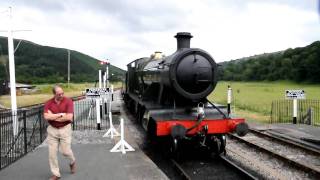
[(168, 96)]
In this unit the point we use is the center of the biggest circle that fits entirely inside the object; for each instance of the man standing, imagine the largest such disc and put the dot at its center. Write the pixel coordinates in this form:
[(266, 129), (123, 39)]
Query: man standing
[(58, 111)]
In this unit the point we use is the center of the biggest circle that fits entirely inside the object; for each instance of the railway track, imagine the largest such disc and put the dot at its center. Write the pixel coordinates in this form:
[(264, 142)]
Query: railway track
[(299, 157), (195, 168), (218, 168), (287, 141)]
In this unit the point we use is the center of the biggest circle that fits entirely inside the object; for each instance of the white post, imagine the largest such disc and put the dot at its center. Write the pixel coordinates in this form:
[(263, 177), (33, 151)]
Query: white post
[(111, 131), (111, 92), (12, 76), (98, 113), (99, 78), (122, 145), (104, 80), (229, 99), (107, 71), (295, 110)]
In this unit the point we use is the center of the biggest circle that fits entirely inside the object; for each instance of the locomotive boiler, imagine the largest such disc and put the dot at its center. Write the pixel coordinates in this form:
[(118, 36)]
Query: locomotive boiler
[(168, 96)]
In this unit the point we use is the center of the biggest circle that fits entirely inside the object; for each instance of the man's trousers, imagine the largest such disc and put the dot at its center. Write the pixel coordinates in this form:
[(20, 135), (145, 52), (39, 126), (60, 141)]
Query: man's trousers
[(59, 137)]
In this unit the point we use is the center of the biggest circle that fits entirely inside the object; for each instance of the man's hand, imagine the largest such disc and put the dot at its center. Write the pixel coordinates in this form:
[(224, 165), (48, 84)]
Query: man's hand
[(65, 117), (60, 117)]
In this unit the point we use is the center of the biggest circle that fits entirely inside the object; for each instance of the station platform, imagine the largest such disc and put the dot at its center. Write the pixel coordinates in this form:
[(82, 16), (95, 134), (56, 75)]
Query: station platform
[(94, 162), (301, 133)]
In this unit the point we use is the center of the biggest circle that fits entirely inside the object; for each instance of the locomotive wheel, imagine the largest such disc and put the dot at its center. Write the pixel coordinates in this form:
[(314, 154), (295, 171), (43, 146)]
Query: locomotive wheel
[(131, 106), (137, 115), (222, 141), (217, 145), (174, 148), (140, 114), (151, 130)]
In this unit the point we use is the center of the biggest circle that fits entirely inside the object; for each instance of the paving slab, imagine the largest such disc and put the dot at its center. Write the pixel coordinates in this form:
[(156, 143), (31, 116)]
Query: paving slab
[(94, 161)]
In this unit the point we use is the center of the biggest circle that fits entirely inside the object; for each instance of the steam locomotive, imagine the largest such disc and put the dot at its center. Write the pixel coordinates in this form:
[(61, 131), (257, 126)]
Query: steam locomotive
[(168, 96)]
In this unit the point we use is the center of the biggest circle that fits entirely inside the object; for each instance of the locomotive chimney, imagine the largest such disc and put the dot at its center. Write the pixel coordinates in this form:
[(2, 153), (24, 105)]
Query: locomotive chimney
[(183, 40)]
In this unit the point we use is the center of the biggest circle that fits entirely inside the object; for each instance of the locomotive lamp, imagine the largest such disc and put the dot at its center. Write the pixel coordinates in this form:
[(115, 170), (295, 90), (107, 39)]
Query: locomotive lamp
[(200, 111)]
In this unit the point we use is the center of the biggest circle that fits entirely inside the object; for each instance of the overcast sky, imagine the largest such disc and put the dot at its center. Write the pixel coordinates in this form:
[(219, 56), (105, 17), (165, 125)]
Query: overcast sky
[(124, 30)]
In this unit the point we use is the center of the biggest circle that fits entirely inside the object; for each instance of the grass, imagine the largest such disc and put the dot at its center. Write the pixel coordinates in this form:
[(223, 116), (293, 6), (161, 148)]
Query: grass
[(44, 93), (252, 100)]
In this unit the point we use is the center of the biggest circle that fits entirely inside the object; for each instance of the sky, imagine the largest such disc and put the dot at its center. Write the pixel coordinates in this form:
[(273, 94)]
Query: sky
[(121, 31)]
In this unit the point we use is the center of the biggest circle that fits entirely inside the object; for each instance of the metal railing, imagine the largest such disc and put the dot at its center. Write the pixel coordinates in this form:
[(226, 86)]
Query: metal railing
[(85, 115), (32, 128), (31, 133), (308, 112)]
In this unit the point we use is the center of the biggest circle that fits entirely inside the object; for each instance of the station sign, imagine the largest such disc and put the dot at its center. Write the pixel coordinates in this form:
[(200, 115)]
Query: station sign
[(295, 94), (96, 92)]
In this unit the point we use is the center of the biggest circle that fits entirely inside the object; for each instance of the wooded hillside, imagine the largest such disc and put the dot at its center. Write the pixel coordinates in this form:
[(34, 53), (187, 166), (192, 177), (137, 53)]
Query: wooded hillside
[(299, 64), (42, 64)]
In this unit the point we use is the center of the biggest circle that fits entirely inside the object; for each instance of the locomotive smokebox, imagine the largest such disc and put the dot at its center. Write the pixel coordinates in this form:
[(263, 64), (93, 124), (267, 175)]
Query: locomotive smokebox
[(193, 72), (183, 40)]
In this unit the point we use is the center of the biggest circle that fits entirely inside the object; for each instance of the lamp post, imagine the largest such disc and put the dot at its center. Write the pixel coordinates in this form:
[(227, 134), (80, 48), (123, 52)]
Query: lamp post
[(12, 73)]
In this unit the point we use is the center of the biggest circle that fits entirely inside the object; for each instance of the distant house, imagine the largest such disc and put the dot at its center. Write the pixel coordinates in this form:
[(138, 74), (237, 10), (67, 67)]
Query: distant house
[(23, 88)]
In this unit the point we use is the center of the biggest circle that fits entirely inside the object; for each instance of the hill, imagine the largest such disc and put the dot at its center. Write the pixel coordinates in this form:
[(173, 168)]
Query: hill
[(43, 64), (300, 64)]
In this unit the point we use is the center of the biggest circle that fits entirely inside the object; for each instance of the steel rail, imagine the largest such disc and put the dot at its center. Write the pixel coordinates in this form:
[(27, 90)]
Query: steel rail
[(303, 166), (180, 170), (239, 169), (286, 141)]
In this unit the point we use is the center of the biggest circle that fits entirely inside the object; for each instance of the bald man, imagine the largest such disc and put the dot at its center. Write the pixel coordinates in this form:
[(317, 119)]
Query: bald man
[(58, 111)]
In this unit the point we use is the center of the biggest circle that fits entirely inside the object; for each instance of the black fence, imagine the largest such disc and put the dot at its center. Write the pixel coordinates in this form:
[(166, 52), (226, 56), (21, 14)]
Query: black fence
[(31, 133), (308, 112), (85, 115), (32, 128)]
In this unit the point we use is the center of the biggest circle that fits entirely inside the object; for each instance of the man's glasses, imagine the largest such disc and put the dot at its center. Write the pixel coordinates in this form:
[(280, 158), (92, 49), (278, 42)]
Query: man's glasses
[(60, 94)]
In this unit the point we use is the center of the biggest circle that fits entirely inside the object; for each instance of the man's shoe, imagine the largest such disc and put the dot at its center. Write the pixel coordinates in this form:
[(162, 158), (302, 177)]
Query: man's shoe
[(73, 167), (54, 177)]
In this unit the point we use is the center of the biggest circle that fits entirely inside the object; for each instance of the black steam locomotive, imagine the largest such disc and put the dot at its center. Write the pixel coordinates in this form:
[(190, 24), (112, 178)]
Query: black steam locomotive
[(168, 96)]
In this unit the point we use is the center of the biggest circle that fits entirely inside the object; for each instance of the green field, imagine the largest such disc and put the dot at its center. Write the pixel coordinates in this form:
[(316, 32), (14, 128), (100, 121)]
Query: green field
[(44, 92), (252, 100)]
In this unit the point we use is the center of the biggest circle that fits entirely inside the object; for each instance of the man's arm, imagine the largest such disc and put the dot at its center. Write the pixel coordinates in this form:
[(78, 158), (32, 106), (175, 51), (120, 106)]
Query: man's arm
[(65, 117), (61, 117), (49, 116)]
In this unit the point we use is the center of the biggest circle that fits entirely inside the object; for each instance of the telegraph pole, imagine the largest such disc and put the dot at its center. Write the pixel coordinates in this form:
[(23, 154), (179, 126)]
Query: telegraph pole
[(68, 67)]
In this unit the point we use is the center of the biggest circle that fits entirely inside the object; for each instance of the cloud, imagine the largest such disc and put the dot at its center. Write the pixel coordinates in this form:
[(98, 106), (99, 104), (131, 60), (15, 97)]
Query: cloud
[(44, 5), (124, 30)]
